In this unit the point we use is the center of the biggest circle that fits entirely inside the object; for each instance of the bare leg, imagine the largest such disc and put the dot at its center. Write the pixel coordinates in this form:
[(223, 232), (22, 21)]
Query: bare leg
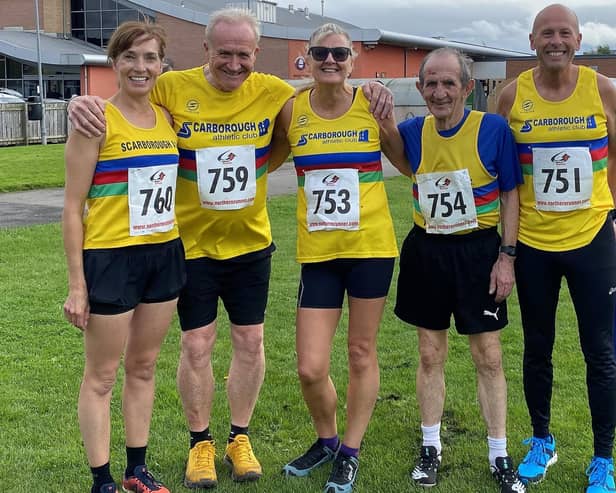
[(491, 384), (195, 378), (364, 319), (104, 341), (148, 328), (313, 339), (246, 371), (430, 379)]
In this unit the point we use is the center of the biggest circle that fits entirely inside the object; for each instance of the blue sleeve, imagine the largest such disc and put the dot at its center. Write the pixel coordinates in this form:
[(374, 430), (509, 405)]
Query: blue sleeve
[(410, 131), (498, 152)]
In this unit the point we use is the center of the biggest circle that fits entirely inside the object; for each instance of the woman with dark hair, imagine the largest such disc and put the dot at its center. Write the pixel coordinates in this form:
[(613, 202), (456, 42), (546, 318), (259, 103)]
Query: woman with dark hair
[(125, 259)]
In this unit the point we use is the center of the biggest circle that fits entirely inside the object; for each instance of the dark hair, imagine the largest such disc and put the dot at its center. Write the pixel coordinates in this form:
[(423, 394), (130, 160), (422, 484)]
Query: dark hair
[(127, 32)]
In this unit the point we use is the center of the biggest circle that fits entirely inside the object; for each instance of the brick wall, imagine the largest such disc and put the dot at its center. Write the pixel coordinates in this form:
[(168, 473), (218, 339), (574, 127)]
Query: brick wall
[(604, 64)]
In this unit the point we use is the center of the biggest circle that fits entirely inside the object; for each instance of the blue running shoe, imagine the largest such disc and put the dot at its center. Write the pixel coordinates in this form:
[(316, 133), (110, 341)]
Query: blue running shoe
[(343, 475), (315, 456), (542, 454), (600, 474)]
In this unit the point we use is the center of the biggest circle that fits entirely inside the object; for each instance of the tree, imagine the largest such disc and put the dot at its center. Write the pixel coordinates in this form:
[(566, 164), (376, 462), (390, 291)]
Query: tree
[(600, 50)]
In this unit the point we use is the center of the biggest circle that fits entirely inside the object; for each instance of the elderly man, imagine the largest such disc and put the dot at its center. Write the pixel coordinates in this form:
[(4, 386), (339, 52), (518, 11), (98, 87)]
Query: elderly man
[(563, 119), (453, 262), (224, 115)]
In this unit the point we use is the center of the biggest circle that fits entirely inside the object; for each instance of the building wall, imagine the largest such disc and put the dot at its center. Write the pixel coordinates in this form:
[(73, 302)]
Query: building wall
[(55, 16), (17, 13), (98, 81), (272, 57), (184, 42), (605, 65)]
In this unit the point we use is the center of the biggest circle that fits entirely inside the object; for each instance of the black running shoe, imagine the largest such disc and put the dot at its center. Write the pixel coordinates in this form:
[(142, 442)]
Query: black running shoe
[(106, 488), (507, 476), (427, 466), (342, 477), (315, 456)]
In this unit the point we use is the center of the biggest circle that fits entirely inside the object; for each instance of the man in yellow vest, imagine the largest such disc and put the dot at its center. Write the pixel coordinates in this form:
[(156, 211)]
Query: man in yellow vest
[(465, 174), (563, 119)]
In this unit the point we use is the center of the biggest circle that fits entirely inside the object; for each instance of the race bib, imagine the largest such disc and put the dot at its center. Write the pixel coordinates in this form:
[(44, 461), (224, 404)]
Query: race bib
[(226, 177), (151, 199), (562, 178), (332, 199), (446, 201)]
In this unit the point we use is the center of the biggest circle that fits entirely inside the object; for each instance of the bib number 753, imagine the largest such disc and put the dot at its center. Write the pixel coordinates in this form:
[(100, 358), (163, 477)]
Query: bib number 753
[(330, 201)]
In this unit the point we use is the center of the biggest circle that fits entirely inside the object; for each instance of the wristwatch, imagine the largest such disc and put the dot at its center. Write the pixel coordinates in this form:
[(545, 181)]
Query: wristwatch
[(507, 250)]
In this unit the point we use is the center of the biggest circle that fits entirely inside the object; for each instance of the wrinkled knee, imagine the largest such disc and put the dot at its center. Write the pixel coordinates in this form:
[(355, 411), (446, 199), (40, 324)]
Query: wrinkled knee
[(310, 374), (362, 356), (248, 344), (100, 382), (197, 347), (140, 368)]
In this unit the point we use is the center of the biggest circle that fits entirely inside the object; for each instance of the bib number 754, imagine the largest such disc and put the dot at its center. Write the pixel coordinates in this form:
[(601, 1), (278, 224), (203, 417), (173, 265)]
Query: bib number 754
[(446, 208)]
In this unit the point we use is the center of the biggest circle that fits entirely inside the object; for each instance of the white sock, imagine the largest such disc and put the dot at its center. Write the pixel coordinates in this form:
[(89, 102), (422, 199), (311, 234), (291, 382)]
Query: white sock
[(497, 447), (432, 436)]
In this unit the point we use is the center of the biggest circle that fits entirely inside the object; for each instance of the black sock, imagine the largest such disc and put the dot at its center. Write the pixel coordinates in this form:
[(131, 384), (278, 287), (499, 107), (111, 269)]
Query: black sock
[(101, 475), (237, 430), (199, 436), (135, 456)]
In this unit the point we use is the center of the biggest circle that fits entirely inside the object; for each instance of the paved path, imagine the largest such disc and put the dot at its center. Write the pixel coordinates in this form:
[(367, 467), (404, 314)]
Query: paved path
[(45, 205)]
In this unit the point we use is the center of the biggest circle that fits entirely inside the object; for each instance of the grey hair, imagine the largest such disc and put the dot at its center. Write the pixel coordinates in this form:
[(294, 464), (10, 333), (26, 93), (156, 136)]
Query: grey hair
[(320, 33), (232, 15), (327, 30), (463, 60)]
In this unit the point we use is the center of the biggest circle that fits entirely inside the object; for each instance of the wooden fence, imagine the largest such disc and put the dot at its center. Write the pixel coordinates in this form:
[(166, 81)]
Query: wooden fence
[(16, 129)]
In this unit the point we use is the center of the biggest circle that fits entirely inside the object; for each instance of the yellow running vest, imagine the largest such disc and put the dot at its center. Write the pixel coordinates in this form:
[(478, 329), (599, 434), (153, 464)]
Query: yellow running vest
[(562, 145), (218, 130), (329, 151), (106, 224)]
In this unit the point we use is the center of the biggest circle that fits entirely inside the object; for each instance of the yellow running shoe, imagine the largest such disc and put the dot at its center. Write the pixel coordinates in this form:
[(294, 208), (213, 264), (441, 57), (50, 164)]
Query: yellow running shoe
[(244, 464), (200, 469)]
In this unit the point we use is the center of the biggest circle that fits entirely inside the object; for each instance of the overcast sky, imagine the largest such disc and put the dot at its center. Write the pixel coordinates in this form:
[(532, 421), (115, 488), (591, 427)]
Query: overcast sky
[(494, 23)]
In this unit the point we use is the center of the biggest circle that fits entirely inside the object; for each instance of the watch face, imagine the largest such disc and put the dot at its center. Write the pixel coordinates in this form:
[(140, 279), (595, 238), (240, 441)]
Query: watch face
[(508, 250)]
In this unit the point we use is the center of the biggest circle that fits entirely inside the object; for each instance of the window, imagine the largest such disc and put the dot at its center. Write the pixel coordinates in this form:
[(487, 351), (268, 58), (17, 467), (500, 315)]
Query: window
[(95, 20)]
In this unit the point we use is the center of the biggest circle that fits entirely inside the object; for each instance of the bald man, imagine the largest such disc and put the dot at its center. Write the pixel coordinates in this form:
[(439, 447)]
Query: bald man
[(563, 119)]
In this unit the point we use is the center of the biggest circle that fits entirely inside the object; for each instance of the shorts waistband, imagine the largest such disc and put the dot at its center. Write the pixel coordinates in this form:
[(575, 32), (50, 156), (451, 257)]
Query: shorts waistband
[(478, 233)]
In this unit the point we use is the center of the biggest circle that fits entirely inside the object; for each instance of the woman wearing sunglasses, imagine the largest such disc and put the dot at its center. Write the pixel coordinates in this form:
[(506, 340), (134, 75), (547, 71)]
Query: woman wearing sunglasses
[(345, 244)]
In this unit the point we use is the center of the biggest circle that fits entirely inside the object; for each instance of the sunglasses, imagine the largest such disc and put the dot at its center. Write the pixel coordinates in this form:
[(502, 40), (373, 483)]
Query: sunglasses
[(320, 53)]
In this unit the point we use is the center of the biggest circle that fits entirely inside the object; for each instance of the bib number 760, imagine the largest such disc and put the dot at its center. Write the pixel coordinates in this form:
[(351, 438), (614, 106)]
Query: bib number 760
[(332, 201), (446, 208), (160, 203)]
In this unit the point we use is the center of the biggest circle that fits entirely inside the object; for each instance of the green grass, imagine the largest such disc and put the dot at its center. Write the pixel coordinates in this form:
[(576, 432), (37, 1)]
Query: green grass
[(41, 363), (31, 167)]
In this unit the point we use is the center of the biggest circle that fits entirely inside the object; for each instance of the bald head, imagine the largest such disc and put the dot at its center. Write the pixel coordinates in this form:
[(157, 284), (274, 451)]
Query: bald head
[(556, 11)]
